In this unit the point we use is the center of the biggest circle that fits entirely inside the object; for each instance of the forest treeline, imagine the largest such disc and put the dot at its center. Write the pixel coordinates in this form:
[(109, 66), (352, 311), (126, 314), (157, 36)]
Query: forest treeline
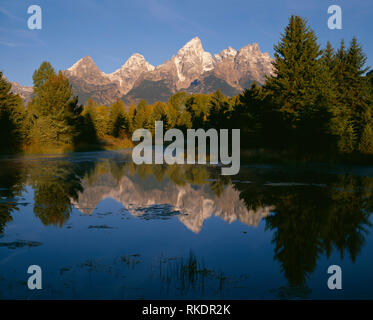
[(316, 100)]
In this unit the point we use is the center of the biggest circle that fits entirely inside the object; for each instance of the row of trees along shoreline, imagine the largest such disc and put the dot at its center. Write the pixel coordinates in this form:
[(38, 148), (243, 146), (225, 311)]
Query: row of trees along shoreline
[(317, 101)]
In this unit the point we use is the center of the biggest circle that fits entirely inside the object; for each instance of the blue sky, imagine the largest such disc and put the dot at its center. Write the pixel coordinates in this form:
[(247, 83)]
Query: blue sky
[(111, 31)]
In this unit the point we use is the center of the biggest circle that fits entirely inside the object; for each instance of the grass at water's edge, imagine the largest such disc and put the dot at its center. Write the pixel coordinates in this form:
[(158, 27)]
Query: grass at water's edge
[(106, 143)]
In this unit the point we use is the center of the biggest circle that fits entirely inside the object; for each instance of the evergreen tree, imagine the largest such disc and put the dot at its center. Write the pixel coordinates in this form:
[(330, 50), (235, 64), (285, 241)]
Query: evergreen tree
[(341, 124), (140, 120), (251, 116), (361, 102), (332, 126), (198, 106), (316, 131), (55, 111), (369, 78), (87, 133), (42, 75), (130, 117), (118, 121), (295, 83), (220, 111), (101, 120), (159, 114), (12, 115), (354, 100), (98, 116)]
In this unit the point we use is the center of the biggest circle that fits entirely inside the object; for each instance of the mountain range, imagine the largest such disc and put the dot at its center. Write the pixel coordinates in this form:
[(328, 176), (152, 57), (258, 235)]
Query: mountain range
[(192, 69)]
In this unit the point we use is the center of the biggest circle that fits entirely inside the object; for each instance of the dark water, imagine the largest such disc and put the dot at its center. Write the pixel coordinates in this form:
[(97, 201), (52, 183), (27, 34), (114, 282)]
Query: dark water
[(102, 227)]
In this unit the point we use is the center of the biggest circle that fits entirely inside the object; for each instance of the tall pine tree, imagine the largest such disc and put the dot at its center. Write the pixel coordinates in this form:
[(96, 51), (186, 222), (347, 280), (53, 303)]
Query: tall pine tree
[(295, 84), (354, 100)]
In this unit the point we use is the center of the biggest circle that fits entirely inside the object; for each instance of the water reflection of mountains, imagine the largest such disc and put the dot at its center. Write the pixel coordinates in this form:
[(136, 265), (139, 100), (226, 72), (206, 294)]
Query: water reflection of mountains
[(144, 196), (309, 212)]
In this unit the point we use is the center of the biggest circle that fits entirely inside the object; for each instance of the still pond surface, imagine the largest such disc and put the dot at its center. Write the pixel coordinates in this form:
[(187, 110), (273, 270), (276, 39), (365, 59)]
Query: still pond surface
[(101, 227)]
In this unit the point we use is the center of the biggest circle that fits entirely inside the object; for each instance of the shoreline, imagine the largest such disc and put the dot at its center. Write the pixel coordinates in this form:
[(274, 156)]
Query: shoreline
[(260, 156)]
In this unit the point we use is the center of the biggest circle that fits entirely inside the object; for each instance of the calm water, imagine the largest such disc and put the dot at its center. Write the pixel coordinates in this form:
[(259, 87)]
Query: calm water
[(101, 227)]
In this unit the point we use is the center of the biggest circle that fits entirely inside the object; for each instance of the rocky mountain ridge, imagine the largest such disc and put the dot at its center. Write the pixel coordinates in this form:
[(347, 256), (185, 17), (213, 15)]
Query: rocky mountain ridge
[(192, 69)]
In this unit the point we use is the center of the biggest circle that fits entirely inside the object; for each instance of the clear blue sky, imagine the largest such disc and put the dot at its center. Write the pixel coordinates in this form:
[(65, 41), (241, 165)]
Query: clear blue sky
[(111, 30)]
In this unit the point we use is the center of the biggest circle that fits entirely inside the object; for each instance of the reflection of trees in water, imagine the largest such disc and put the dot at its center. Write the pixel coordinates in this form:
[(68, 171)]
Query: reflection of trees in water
[(55, 183), (217, 186), (329, 212), (11, 187), (180, 175), (311, 220), (348, 221)]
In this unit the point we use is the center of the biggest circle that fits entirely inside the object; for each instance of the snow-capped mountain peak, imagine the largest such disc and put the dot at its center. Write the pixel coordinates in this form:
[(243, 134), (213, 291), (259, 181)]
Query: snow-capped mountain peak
[(226, 53), (82, 66), (135, 62), (191, 61), (194, 45), (130, 71), (193, 49)]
